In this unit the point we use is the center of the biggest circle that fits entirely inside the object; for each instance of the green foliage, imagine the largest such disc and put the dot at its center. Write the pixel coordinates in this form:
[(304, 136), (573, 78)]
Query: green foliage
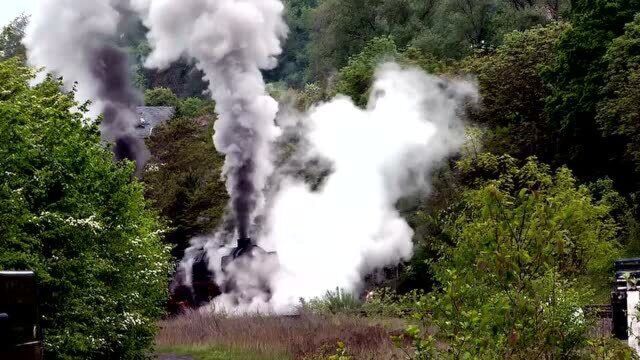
[(412, 56), (528, 245), (618, 113), (190, 107), (211, 352), (293, 66), (193, 107), (385, 302), (341, 353), (311, 94), (535, 216), (476, 321), (11, 39), (160, 97), (610, 349), (183, 178), (513, 92), (355, 79), (445, 29), (334, 302), (339, 30), (576, 79), (80, 222)]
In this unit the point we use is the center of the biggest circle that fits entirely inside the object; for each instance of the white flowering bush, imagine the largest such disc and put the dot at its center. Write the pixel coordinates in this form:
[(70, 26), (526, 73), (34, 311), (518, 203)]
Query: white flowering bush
[(80, 222)]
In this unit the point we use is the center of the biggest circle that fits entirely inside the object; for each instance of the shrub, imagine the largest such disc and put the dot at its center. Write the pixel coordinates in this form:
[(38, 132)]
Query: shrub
[(528, 249), (387, 303), (80, 222), (183, 179), (160, 97), (335, 302), (194, 107), (355, 79), (513, 92)]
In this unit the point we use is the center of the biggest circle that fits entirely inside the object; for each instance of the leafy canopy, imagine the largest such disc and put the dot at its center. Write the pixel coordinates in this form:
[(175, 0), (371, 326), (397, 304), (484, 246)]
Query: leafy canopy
[(80, 221), (527, 246)]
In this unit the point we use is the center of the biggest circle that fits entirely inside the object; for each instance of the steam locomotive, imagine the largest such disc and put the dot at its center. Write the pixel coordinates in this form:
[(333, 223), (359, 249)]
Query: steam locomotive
[(201, 286)]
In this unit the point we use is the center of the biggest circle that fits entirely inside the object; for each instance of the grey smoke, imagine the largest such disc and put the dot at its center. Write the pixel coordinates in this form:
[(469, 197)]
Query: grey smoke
[(349, 227), (110, 66), (343, 225), (346, 227), (327, 236), (76, 39), (231, 42)]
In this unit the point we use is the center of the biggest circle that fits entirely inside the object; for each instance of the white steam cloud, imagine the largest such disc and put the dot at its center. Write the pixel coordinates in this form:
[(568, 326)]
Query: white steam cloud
[(61, 36), (350, 227), (321, 238), (76, 39)]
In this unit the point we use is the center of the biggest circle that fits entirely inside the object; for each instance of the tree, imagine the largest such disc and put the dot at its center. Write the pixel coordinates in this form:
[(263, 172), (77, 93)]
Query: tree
[(339, 30), (160, 97), (514, 93), (458, 27), (79, 220), (183, 179), (355, 79), (195, 107), (11, 38), (618, 113), (528, 246), (403, 19), (294, 62), (444, 29), (576, 80)]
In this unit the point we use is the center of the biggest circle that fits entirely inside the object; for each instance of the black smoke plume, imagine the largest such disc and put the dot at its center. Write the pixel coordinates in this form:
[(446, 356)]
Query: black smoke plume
[(110, 67)]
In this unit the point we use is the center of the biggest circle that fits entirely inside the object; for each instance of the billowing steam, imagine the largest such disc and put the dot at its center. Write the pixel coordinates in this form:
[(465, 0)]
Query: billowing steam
[(315, 238), (349, 227), (231, 41), (322, 239), (76, 39)]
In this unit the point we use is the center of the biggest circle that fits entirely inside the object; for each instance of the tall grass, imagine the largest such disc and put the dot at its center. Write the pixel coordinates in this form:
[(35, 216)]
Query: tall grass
[(216, 352), (304, 336)]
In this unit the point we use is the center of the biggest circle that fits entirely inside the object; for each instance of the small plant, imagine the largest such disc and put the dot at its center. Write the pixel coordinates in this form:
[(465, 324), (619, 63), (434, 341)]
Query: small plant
[(423, 347), (385, 302), (335, 302), (341, 352), (609, 349)]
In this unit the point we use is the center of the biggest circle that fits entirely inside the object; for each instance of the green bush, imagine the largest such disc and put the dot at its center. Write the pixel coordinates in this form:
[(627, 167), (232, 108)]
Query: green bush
[(385, 302), (80, 222), (194, 107), (335, 302), (160, 97), (513, 92), (529, 247), (355, 79), (617, 112), (183, 179)]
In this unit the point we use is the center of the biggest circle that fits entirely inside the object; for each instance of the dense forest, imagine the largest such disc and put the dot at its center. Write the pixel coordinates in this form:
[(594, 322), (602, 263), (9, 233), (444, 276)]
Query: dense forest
[(518, 235)]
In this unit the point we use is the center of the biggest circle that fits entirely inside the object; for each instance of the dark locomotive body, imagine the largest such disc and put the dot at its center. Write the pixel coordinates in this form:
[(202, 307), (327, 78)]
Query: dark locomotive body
[(197, 286)]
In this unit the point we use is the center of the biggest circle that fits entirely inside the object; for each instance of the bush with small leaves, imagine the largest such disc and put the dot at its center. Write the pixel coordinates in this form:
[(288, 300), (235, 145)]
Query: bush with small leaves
[(80, 221), (160, 97)]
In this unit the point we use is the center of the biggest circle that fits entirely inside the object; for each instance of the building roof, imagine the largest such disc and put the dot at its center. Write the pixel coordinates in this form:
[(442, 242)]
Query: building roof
[(151, 117)]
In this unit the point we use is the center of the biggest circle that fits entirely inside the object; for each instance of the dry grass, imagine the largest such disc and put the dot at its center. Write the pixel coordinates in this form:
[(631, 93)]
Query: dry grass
[(301, 337)]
